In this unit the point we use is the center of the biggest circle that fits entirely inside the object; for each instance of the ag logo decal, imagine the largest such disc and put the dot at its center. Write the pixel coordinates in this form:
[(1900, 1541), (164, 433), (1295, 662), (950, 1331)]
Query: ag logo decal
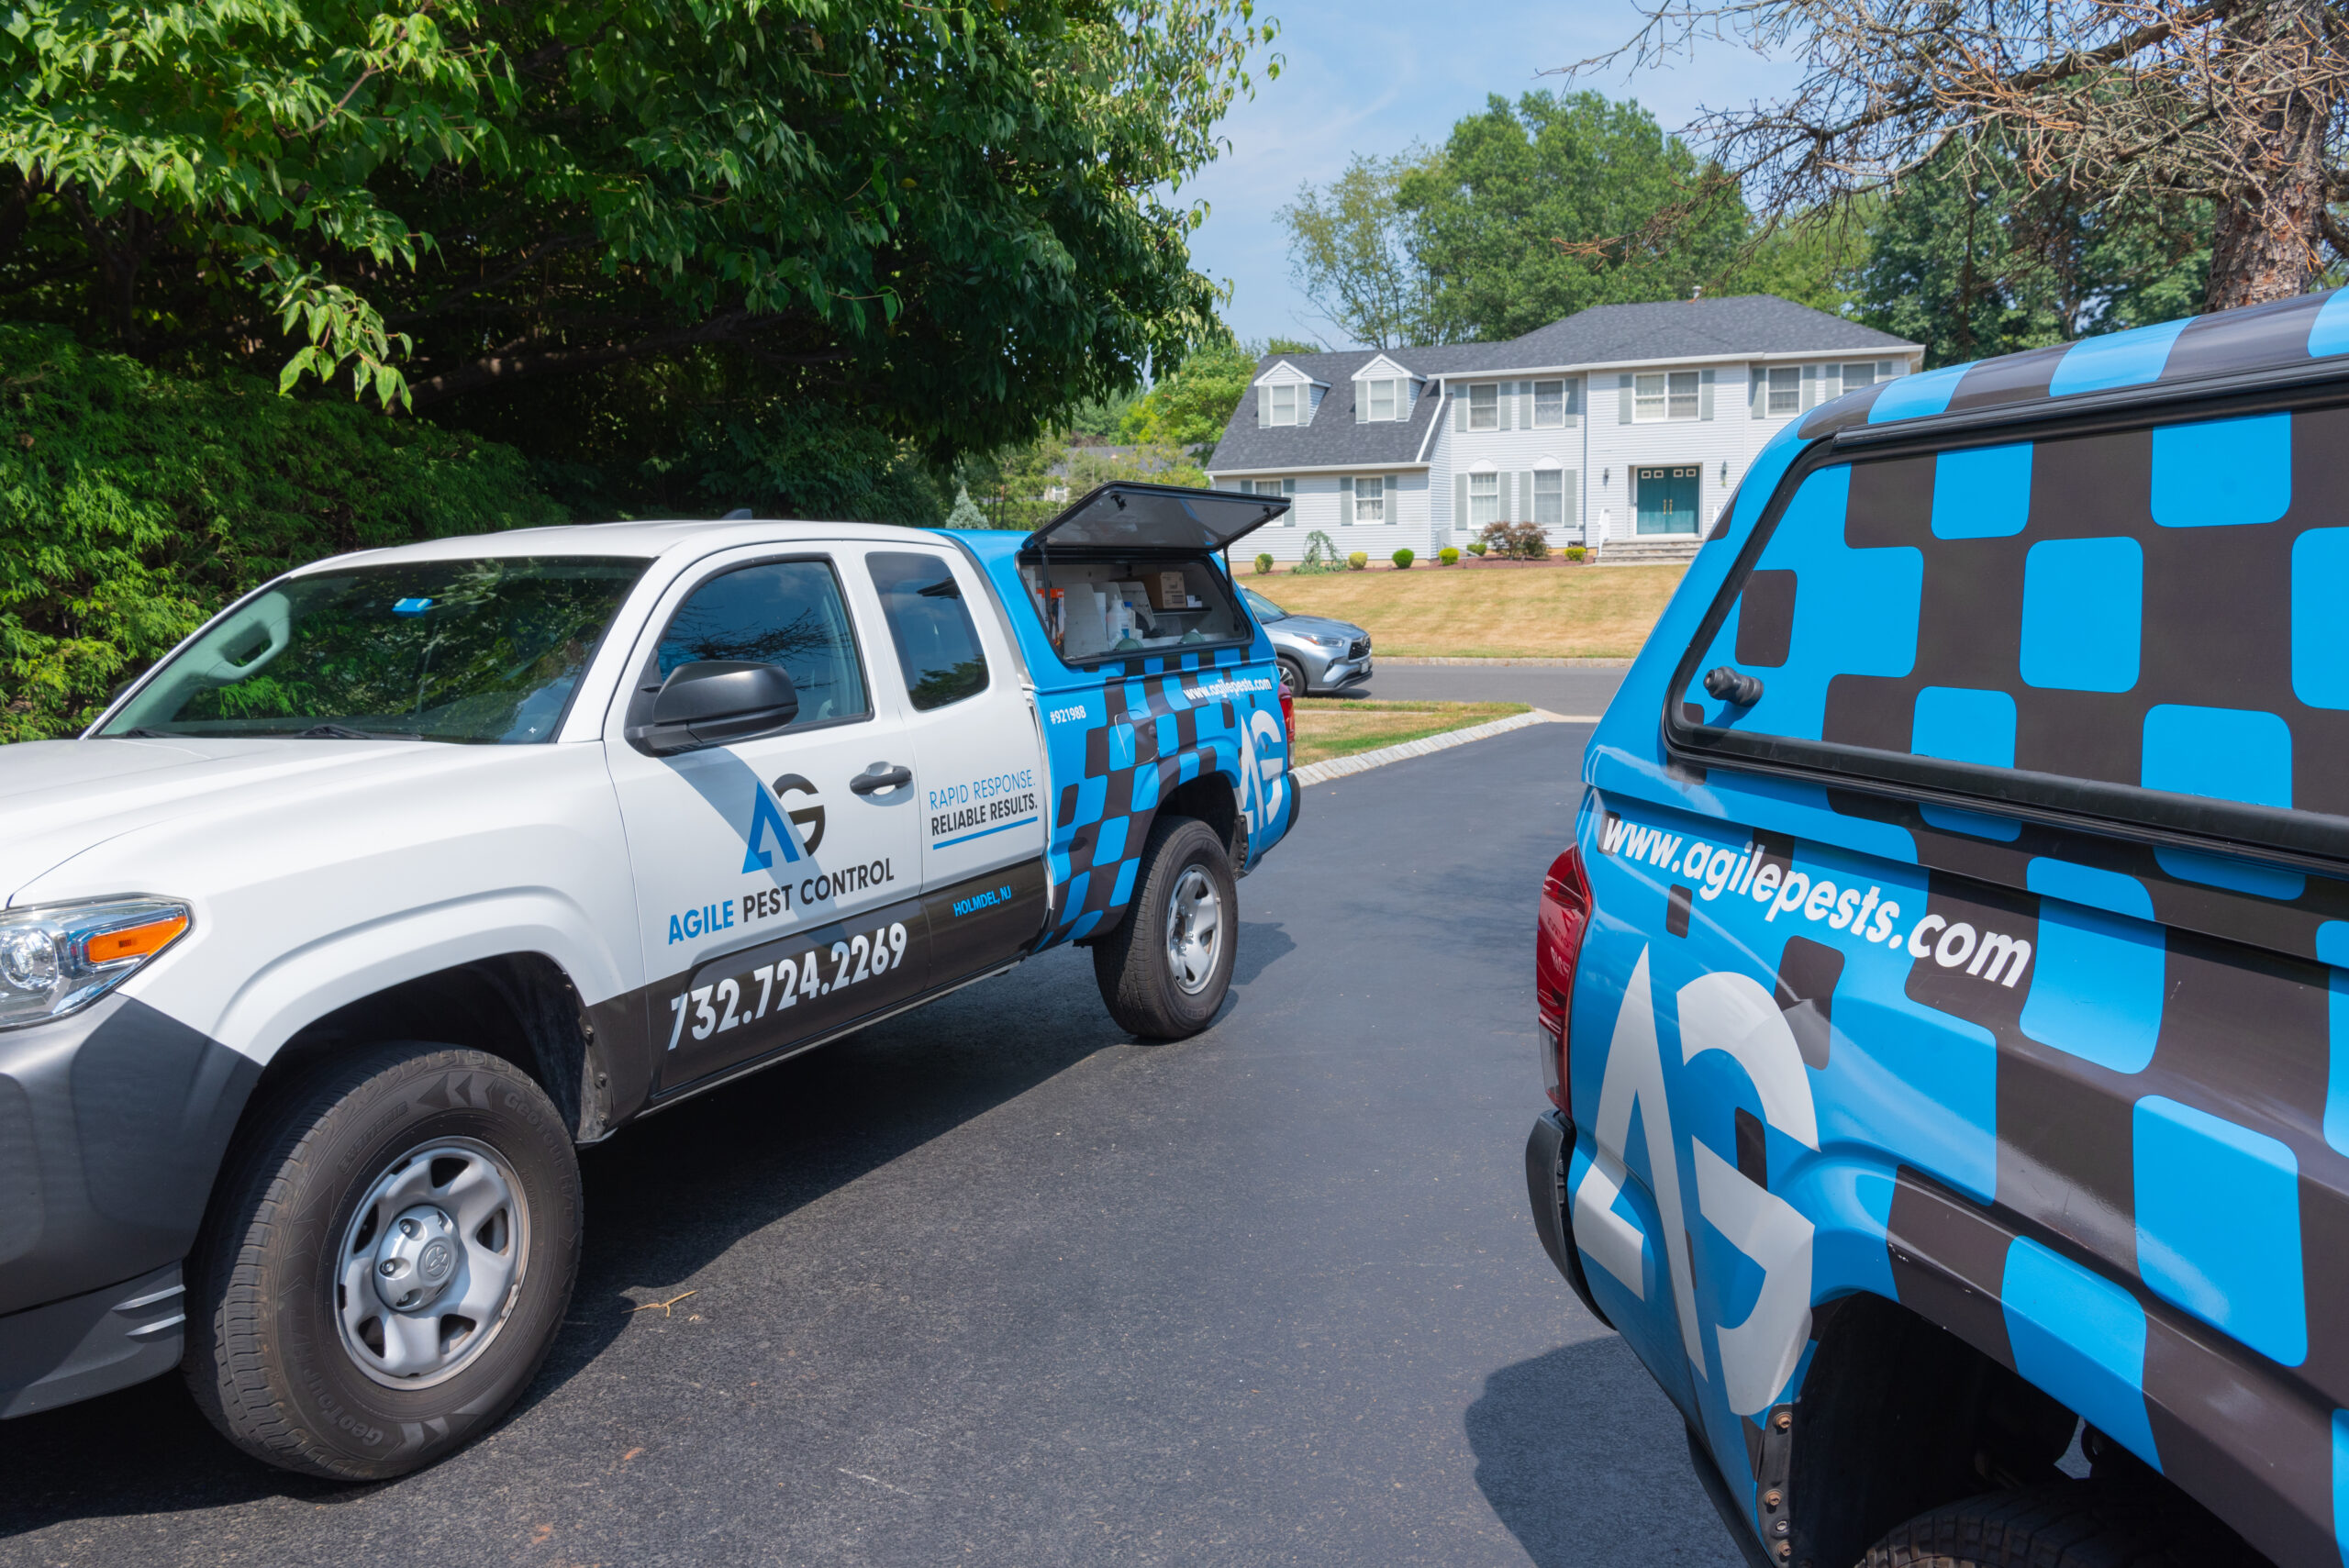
[(766, 817), (809, 818)]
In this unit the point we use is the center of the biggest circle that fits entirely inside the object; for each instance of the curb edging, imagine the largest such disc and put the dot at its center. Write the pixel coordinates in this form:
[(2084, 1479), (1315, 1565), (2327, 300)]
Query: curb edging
[(1363, 762)]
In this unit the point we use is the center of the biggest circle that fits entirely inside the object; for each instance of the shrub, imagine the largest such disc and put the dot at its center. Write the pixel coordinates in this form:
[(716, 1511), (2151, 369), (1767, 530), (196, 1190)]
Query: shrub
[(1320, 555), (1477, 548), (1403, 558), (1575, 552), (1518, 541), (1264, 565), (1357, 560), (134, 503), (1448, 555)]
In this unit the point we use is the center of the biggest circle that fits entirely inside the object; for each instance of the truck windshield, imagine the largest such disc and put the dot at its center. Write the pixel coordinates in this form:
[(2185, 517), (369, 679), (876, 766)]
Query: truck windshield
[(483, 651)]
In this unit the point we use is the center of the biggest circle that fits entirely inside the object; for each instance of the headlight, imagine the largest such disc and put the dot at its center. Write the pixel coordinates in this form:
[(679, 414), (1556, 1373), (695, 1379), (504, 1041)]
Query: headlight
[(1331, 642), (57, 957)]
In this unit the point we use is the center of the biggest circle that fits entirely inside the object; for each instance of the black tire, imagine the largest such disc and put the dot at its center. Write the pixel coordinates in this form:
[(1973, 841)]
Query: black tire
[(1292, 676), (1132, 964), (2065, 1524), (268, 1359)]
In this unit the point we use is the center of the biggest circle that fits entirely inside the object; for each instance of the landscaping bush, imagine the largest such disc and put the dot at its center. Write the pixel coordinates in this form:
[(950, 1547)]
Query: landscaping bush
[(1448, 555), (1575, 552), (1264, 565), (1403, 558), (134, 503), (1518, 541), (1357, 560), (1320, 555), (1477, 548)]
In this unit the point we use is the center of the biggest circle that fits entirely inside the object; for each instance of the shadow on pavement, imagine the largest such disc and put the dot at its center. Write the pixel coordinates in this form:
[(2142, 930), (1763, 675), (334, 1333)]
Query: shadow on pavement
[(663, 1199), (1263, 943), (1579, 1453)]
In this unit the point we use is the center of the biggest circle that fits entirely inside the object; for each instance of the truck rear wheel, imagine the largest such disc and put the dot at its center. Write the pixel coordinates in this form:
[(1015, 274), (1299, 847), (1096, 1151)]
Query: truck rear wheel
[(388, 1261), (1163, 973), (2079, 1524)]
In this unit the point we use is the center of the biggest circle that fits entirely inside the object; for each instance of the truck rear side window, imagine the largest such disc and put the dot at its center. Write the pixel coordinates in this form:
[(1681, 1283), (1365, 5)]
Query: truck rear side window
[(1095, 609), (778, 612), (938, 647), (2139, 623)]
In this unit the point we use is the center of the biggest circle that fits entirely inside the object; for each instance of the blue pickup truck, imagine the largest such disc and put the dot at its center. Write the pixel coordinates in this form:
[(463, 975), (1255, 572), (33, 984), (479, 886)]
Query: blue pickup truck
[(1942, 1002)]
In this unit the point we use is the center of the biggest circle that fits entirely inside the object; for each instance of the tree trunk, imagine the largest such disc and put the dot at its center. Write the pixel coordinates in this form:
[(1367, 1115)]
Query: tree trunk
[(2268, 238)]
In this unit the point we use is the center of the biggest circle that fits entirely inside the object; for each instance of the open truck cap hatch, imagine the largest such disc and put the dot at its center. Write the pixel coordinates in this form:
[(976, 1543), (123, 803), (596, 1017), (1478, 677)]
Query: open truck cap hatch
[(1172, 518)]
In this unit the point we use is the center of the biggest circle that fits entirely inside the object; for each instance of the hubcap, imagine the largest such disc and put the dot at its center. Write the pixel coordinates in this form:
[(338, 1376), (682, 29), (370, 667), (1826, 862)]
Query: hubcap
[(432, 1263), (1194, 929)]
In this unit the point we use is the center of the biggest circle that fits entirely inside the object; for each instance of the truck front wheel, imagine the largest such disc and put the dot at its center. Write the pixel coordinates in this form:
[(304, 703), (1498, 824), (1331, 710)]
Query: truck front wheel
[(1163, 973), (389, 1259)]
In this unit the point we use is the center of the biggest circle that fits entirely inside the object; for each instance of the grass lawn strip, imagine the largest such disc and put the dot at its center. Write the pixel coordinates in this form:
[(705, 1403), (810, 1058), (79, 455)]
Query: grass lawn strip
[(1336, 727), (1584, 612)]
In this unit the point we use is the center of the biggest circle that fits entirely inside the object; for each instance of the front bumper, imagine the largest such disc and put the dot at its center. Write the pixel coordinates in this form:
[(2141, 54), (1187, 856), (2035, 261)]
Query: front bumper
[(113, 1123), (1546, 1154), (1339, 673)]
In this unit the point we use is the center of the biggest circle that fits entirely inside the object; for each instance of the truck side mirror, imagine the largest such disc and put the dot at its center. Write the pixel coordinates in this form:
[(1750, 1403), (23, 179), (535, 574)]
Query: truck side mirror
[(712, 702)]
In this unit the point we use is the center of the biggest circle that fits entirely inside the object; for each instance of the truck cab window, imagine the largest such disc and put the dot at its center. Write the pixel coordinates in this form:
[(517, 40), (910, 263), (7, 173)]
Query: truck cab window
[(938, 647), (779, 612)]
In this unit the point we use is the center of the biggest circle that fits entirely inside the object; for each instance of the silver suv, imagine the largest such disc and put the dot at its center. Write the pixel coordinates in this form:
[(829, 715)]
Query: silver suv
[(1318, 656)]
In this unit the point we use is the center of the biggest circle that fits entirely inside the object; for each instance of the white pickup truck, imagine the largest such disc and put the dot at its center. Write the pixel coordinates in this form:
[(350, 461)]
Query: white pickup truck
[(415, 869)]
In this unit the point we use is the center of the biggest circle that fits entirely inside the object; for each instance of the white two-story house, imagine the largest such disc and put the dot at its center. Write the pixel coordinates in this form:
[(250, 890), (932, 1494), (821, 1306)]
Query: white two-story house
[(1623, 427)]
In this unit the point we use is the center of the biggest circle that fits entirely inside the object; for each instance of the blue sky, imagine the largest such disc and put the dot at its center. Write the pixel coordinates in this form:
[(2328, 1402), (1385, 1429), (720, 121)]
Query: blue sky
[(1374, 76)]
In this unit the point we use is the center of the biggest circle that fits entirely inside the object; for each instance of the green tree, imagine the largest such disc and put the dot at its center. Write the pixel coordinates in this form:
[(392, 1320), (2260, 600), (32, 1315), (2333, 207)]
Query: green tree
[(1190, 406), (1539, 209), (1816, 259), (948, 224), (1360, 257), (1972, 265)]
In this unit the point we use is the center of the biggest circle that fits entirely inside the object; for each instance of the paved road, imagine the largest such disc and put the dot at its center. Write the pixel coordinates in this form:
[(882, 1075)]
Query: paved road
[(992, 1284), (1562, 689)]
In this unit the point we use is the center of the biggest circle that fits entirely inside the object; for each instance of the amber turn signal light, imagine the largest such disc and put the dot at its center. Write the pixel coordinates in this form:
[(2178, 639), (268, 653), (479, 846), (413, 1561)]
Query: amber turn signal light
[(133, 941)]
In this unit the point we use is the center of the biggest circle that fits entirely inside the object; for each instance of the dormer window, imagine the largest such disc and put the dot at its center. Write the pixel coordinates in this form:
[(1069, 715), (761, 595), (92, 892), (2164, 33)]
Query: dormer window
[(1286, 395), (1383, 391)]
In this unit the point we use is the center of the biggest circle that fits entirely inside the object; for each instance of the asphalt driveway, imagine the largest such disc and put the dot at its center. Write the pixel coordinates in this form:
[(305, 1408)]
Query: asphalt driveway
[(994, 1284), (1579, 690)]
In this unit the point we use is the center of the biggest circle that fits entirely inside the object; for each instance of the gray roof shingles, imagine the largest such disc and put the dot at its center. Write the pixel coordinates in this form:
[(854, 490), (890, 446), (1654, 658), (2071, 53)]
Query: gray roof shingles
[(1668, 330)]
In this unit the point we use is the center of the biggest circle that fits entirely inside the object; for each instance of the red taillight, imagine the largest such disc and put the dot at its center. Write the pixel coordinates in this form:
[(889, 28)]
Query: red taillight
[(1289, 718), (1557, 944)]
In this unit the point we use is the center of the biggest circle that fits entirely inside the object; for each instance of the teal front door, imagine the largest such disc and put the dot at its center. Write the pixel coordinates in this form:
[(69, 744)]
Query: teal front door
[(1667, 498)]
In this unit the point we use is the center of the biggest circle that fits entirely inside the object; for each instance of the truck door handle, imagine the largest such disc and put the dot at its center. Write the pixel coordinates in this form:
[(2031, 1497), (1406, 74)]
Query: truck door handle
[(879, 776)]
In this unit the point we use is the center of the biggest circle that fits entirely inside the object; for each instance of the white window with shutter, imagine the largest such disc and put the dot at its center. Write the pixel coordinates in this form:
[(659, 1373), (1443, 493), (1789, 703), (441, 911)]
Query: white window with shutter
[(1667, 394), (1785, 389), (1284, 404), (1549, 404), (1859, 375), (1549, 498), (1483, 499), (1370, 500), (1485, 406), (1382, 399)]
